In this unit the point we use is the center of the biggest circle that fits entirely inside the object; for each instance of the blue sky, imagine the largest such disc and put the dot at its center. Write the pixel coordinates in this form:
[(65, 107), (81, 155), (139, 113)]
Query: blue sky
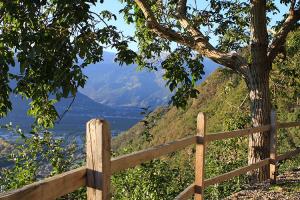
[(115, 5)]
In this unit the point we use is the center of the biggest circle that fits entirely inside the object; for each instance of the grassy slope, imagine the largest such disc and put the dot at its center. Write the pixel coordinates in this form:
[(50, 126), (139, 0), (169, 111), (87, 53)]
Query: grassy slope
[(223, 97), (217, 99)]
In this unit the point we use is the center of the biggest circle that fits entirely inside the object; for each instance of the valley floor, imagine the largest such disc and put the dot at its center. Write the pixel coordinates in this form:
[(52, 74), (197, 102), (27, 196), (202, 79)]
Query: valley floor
[(287, 188)]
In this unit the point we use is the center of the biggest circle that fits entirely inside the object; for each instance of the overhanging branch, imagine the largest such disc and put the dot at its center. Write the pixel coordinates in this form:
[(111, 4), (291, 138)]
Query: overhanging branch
[(203, 46), (160, 29), (196, 40), (280, 36), (181, 8)]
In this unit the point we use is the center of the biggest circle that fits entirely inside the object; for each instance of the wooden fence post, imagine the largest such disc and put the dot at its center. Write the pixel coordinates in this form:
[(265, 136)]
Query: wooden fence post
[(200, 157), (98, 148), (273, 147)]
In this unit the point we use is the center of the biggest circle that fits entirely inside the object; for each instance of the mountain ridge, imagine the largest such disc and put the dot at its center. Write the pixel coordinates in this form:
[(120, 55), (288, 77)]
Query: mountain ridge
[(82, 110), (126, 86)]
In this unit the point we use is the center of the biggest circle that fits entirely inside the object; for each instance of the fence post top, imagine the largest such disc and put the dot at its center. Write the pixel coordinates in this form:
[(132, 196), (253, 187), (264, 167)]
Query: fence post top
[(201, 114), (201, 124), (97, 120)]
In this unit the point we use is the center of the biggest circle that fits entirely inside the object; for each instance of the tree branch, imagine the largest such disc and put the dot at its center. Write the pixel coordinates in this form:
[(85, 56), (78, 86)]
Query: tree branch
[(197, 41), (280, 36), (181, 8), (204, 47), (60, 117), (292, 8), (160, 29)]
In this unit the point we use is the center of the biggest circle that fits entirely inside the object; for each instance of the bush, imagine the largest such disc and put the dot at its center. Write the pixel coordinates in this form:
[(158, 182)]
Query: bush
[(37, 156)]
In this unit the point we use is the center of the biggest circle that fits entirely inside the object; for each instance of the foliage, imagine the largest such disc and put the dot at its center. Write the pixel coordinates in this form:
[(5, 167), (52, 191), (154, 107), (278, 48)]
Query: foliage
[(147, 124), (181, 33), (52, 41), (224, 99), (225, 102), (151, 181), (38, 156), (286, 75)]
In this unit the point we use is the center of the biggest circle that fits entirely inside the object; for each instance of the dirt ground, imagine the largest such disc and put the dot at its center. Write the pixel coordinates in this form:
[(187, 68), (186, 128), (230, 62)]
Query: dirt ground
[(287, 187)]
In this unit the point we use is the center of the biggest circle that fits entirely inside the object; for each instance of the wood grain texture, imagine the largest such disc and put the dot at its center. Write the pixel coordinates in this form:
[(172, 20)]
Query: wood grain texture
[(98, 148), (288, 155), (187, 193), (200, 157), (131, 160), (96, 175), (288, 124), (50, 188), (237, 133), (237, 172), (273, 147)]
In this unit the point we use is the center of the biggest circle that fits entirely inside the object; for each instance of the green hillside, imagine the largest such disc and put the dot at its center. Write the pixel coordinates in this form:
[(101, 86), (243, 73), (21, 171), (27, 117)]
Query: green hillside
[(220, 98), (223, 97)]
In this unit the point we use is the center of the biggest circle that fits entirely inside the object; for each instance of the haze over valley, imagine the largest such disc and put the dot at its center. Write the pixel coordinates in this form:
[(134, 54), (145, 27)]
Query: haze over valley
[(116, 93)]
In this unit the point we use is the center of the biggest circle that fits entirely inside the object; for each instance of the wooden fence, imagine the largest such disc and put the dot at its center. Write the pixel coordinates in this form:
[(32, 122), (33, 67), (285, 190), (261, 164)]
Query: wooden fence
[(99, 165)]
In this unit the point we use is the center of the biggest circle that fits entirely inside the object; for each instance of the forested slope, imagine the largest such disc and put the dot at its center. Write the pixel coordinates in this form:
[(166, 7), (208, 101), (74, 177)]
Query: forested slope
[(224, 98)]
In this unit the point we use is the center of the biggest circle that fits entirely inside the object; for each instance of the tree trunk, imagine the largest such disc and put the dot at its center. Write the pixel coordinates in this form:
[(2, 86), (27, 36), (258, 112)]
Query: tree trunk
[(257, 79), (258, 85)]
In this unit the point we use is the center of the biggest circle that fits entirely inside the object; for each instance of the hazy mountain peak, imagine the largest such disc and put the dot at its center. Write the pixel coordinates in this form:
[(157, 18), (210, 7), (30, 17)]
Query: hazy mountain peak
[(111, 84)]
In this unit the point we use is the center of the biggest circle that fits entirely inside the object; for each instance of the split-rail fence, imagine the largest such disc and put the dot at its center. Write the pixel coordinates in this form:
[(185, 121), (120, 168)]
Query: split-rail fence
[(100, 166)]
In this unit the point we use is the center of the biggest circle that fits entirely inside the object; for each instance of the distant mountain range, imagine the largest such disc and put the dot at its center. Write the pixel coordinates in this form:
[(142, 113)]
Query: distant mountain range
[(73, 123), (112, 92), (114, 85)]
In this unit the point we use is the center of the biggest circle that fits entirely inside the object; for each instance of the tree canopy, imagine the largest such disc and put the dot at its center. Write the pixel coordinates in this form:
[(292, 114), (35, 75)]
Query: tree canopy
[(52, 41), (220, 30), (237, 34)]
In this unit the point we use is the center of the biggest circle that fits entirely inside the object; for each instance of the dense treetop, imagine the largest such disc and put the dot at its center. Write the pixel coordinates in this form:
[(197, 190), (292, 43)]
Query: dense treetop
[(52, 41), (217, 29)]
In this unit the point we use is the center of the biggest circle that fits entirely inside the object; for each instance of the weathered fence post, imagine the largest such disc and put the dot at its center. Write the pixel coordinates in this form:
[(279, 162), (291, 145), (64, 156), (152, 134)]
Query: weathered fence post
[(98, 142), (200, 157), (273, 147)]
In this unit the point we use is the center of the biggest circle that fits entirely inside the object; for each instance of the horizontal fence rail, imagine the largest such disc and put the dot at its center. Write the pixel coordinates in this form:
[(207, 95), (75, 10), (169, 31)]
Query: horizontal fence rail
[(136, 158), (50, 188), (96, 175), (234, 173), (187, 193), (237, 133), (288, 124), (288, 155)]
